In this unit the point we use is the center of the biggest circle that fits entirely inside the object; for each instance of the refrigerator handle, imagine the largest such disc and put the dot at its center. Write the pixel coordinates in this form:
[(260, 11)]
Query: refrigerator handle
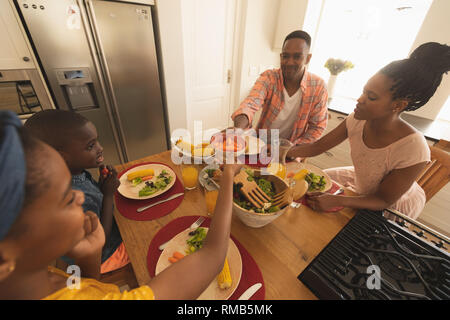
[(88, 18)]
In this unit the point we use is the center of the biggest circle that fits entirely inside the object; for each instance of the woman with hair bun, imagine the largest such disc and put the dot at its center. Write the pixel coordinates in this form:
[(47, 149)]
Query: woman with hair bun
[(387, 153)]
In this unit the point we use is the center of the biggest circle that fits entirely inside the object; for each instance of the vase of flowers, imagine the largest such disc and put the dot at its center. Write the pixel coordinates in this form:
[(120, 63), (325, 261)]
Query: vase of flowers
[(335, 66)]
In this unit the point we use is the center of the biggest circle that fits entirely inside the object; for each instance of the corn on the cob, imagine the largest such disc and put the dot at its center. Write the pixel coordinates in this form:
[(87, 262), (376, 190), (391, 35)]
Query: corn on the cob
[(301, 174), (140, 174), (186, 146), (224, 277)]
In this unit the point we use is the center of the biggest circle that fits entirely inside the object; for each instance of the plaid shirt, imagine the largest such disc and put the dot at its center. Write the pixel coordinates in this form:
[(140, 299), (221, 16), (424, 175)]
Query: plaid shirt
[(267, 93)]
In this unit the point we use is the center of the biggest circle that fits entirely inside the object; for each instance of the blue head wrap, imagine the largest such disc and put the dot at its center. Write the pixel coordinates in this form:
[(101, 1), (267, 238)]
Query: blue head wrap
[(12, 171)]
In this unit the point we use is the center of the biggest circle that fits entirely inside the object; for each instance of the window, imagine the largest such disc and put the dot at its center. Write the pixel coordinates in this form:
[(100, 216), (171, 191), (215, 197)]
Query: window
[(369, 33)]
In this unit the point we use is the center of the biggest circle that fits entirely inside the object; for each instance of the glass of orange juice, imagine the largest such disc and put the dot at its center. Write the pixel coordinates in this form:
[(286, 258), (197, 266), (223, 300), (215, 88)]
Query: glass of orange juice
[(277, 169), (211, 199), (189, 173)]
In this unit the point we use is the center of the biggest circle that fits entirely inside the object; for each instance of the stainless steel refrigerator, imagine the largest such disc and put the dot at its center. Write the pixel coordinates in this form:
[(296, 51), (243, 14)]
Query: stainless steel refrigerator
[(99, 59)]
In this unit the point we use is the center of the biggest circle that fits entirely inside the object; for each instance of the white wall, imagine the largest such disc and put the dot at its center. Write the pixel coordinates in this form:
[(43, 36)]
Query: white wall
[(171, 40), (258, 34), (436, 28), (262, 25), (257, 23), (291, 15)]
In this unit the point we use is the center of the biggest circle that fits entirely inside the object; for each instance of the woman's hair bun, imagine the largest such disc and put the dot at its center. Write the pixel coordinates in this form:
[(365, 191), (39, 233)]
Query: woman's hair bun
[(434, 55)]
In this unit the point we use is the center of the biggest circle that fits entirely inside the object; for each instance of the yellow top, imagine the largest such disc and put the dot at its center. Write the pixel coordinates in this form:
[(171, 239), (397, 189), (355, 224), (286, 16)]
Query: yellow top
[(91, 289)]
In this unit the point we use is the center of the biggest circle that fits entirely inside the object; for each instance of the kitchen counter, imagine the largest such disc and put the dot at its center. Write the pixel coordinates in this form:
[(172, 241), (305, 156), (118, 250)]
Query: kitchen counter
[(433, 130)]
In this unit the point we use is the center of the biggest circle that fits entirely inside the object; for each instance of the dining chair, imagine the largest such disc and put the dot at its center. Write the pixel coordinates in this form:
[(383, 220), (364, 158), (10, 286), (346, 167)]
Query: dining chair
[(437, 173), (124, 277), (443, 144)]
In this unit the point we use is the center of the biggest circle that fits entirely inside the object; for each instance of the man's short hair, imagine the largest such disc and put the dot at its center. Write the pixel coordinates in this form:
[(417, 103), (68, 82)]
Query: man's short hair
[(300, 35)]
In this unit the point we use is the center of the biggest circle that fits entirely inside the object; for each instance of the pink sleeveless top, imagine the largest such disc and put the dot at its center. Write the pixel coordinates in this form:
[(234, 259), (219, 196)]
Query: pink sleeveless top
[(372, 165)]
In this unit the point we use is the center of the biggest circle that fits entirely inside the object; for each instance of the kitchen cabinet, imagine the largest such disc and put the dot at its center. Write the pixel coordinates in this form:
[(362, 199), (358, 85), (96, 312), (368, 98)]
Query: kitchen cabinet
[(338, 156), (14, 51)]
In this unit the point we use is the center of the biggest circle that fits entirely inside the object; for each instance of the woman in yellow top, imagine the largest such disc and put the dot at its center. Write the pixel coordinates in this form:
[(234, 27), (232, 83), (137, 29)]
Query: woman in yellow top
[(41, 219)]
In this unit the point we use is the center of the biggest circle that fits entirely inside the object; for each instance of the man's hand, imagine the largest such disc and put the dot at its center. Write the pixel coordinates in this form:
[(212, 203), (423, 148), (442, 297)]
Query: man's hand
[(241, 121), (94, 238)]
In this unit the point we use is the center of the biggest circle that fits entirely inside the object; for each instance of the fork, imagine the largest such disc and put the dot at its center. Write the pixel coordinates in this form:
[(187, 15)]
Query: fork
[(282, 198), (251, 190), (193, 226)]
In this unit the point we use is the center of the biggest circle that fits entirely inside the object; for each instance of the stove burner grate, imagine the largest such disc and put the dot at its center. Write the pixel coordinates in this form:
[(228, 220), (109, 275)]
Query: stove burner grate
[(373, 258)]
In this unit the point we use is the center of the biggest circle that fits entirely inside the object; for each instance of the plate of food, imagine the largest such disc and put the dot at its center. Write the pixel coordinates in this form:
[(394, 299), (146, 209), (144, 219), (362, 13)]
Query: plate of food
[(228, 144), (317, 179), (253, 145), (201, 151), (187, 242), (146, 181), (213, 172)]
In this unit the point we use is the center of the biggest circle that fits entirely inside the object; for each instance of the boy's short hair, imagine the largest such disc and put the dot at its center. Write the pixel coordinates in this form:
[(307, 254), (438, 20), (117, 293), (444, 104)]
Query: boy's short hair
[(55, 127)]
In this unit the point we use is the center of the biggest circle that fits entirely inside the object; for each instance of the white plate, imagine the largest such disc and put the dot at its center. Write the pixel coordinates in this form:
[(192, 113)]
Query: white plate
[(295, 167), (204, 182), (127, 189), (187, 153), (212, 292)]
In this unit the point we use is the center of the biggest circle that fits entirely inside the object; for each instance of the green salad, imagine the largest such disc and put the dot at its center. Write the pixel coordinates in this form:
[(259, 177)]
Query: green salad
[(151, 187), (264, 184), (315, 182), (195, 242)]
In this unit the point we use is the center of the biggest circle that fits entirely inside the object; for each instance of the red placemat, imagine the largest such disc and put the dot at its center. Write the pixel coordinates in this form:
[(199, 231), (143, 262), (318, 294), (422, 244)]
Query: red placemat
[(127, 207), (250, 270), (335, 187)]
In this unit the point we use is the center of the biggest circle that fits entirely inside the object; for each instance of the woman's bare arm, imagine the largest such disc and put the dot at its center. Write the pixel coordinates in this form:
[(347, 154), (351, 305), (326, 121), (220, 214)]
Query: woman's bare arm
[(393, 186), (190, 276)]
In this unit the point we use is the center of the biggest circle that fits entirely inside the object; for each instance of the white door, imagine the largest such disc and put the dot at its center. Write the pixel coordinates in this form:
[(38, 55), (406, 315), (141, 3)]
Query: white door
[(208, 45), (14, 53)]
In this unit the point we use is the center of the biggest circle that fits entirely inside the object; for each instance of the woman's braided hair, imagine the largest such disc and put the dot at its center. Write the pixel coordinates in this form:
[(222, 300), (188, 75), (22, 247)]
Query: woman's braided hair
[(418, 77)]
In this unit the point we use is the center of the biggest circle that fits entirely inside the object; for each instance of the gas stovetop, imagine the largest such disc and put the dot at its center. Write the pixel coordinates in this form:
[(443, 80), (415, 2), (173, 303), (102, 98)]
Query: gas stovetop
[(376, 258)]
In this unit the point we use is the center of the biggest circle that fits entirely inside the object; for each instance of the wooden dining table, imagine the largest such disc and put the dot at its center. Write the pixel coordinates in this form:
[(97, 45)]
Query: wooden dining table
[(281, 249)]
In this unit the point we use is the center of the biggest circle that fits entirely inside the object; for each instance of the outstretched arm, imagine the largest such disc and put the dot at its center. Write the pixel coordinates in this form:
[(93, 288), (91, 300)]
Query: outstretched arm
[(243, 116), (393, 186), (190, 276)]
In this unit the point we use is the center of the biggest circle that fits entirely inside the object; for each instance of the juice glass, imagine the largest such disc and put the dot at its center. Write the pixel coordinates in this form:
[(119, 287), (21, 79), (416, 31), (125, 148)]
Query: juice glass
[(211, 199), (277, 169), (189, 173)]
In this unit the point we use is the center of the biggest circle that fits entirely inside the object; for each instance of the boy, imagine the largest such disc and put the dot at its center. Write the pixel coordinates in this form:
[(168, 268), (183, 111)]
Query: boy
[(41, 196), (76, 139)]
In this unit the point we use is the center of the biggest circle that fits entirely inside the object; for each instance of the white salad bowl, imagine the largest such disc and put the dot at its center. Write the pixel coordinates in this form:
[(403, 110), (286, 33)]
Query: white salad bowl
[(258, 220)]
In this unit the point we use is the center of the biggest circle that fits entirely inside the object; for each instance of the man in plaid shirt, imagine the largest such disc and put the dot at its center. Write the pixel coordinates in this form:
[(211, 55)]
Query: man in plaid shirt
[(292, 99)]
